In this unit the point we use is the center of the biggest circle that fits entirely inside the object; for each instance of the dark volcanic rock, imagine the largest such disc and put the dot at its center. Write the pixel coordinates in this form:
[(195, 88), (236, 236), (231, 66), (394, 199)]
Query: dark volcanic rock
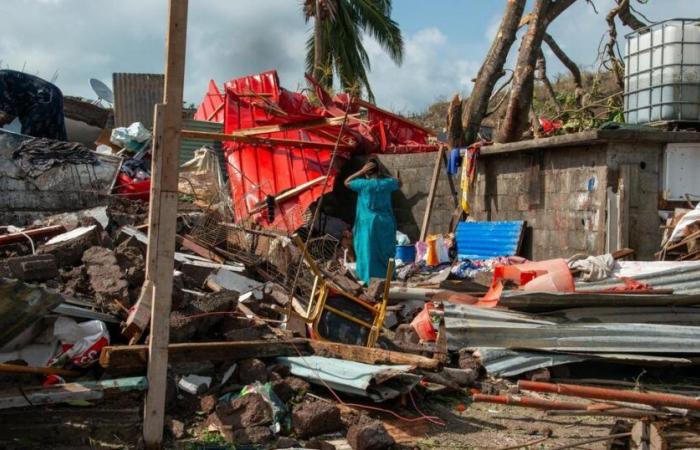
[(315, 418), (369, 436)]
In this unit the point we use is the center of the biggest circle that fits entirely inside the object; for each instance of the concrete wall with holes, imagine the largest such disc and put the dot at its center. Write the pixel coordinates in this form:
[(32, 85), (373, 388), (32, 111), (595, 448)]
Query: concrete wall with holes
[(575, 197)]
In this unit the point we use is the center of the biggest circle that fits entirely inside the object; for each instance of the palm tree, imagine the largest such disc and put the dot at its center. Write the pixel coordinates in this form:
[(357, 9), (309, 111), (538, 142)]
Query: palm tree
[(335, 48)]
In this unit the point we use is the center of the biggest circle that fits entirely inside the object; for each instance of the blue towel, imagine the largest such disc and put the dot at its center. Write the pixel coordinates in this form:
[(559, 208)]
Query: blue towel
[(453, 162)]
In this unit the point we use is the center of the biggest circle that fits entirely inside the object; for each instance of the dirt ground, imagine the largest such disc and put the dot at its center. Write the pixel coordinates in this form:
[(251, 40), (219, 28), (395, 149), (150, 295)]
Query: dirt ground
[(479, 426)]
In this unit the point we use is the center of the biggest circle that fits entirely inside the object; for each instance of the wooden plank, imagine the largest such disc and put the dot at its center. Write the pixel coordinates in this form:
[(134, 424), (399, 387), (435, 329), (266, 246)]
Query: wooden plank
[(136, 356), (302, 125), (431, 195), (91, 390), (371, 355), (191, 134), (162, 220), (286, 195), (200, 250)]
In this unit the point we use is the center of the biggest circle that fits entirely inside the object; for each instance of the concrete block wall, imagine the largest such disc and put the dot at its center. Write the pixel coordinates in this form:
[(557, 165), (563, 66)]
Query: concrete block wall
[(409, 203), (560, 193)]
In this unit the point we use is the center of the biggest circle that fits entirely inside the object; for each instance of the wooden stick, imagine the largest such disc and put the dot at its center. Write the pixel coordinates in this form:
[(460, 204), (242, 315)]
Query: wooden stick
[(286, 195), (162, 221), (14, 368), (431, 195)]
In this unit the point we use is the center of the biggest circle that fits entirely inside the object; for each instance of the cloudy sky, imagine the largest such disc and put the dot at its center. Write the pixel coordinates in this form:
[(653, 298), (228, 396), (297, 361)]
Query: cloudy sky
[(446, 40)]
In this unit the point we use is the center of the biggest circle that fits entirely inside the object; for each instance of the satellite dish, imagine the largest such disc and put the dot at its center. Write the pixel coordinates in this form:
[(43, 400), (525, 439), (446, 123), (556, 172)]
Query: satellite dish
[(102, 90)]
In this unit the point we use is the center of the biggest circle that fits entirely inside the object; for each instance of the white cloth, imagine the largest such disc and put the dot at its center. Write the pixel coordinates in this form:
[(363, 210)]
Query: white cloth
[(592, 268)]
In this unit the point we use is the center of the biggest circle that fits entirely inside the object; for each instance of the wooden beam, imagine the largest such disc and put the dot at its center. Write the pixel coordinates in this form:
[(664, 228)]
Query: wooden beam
[(189, 244), (431, 195), (129, 357), (371, 355), (70, 392), (191, 134), (162, 221), (303, 125), (286, 195)]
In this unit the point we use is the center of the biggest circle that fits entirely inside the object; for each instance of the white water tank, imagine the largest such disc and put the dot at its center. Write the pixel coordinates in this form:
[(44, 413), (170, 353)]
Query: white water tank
[(662, 72)]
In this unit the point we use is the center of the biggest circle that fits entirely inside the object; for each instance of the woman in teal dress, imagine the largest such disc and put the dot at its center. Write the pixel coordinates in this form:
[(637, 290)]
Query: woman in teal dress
[(374, 234)]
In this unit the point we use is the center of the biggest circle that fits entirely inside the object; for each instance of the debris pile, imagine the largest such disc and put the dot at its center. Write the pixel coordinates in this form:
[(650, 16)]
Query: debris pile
[(275, 342)]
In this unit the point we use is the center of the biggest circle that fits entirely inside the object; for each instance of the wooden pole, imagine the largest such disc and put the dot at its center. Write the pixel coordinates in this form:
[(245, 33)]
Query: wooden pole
[(161, 221), (431, 195)]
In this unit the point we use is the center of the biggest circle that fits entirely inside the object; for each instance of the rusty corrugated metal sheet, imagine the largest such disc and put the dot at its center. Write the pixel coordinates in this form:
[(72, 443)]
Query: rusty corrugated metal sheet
[(135, 95)]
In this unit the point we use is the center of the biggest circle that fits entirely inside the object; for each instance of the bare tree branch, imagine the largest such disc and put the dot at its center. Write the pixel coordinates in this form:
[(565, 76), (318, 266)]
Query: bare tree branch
[(568, 63), (542, 76)]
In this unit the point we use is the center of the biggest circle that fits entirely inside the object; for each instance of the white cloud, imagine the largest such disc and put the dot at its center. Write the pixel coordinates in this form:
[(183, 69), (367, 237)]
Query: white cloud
[(82, 39), (433, 67)]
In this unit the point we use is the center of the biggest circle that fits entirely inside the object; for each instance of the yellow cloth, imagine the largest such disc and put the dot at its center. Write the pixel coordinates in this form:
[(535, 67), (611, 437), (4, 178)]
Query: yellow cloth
[(464, 184)]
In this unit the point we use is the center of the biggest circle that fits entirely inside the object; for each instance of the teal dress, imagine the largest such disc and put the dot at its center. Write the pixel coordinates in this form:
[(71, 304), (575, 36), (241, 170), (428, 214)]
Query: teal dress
[(374, 235)]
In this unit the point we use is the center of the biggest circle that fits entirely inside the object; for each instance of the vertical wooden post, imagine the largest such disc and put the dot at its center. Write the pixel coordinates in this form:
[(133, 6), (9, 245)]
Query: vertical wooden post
[(431, 194), (161, 221)]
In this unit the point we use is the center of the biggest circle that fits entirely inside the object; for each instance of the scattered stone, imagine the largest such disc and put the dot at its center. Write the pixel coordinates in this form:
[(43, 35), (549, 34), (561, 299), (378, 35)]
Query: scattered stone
[(30, 268), (252, 370), (315, 418), (463, 377), (123, 211), (289, 388), (252, 435), (130, 258), (208, 403), (281, 370), (248, 411), (191, 322), (176, 428), (319, 445), (106, 278), (286, 442), (369, 436), (68, 248)]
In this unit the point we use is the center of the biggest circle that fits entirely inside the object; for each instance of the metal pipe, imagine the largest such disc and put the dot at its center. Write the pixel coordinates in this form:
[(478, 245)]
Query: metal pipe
[(529, 402), (645, 398)]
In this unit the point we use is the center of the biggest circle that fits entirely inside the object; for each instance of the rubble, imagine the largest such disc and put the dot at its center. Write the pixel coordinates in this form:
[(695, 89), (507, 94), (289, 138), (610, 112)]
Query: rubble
[(315, 418), (369, 436)]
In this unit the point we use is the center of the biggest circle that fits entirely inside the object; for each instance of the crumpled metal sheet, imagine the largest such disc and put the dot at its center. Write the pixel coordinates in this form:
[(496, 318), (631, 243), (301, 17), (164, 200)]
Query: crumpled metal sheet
[(509, 363), (552, 301), (378, 382), (472, 327), (682, 277), (261, 169)]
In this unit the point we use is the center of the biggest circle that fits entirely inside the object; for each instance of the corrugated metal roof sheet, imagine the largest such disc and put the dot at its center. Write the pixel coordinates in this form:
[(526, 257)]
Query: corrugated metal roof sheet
[(683, 280), (483, 240), (378, 382), (135, 95), (188, 146), (509, 363), (551, 301), (469, 326), (212, 107)]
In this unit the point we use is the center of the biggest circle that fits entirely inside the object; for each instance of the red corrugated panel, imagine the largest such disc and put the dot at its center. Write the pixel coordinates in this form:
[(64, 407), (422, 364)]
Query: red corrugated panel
[(257, 171), (212, 107)]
